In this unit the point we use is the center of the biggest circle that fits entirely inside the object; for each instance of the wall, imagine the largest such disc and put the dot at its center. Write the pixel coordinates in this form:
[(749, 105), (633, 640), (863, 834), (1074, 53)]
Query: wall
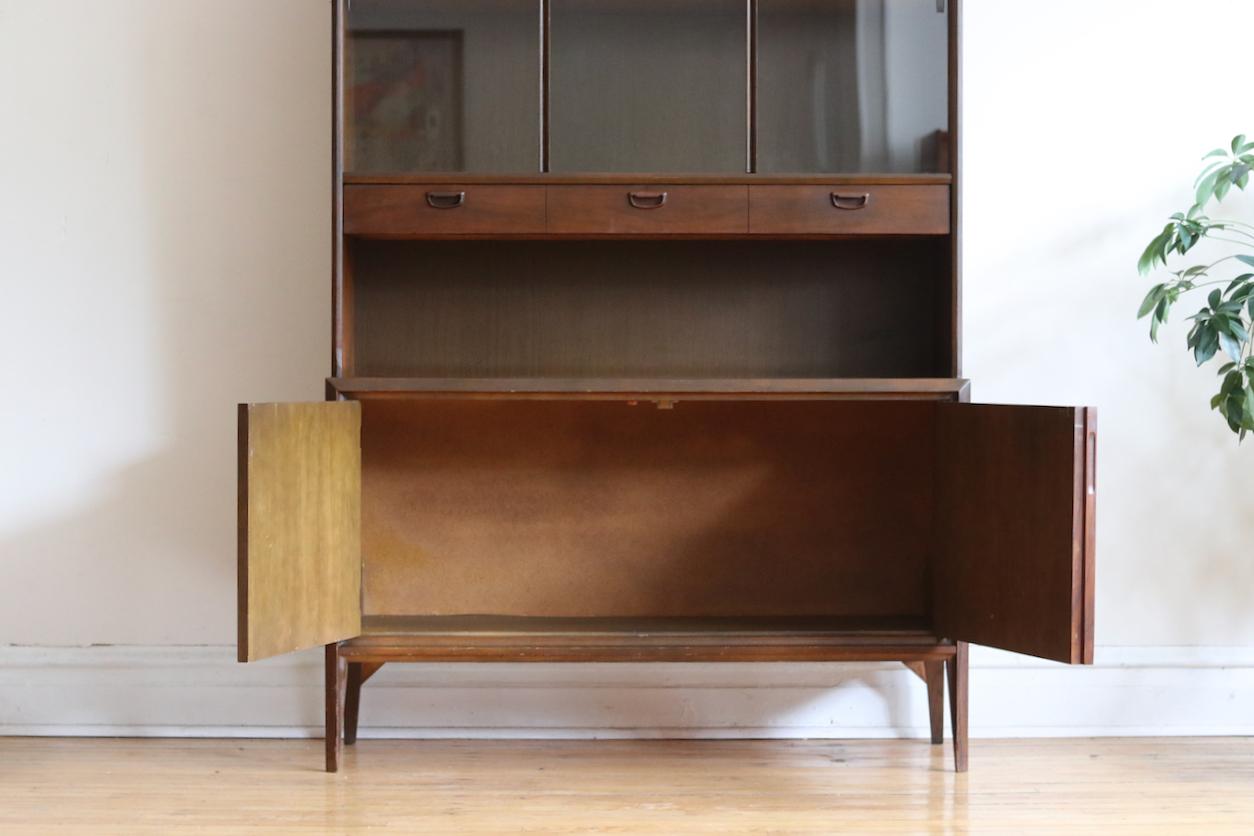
[(164, 219)]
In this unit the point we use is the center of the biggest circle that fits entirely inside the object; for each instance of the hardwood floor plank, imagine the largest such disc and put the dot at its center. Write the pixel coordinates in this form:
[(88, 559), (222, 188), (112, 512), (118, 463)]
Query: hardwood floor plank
[(1142, 786)]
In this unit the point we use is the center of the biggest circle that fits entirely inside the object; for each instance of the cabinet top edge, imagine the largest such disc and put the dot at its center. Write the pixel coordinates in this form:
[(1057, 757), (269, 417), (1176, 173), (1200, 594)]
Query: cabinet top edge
[(651, 390), (650, 178)]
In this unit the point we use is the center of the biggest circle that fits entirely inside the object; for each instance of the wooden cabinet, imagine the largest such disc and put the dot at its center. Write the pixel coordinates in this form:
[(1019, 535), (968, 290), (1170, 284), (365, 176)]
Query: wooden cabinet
[(659, 209), (853, 209), (443, 210), (655, 365)]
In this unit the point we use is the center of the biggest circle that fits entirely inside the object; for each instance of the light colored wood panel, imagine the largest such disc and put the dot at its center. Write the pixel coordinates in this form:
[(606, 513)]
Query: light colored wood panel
[(1106, 787), (299, 526)]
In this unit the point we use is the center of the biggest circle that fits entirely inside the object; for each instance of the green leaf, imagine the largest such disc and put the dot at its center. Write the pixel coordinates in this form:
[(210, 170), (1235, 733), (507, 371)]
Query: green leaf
[(1223, 185), (1210, 169), (1225, 368), (1236, 329), (1214, 299), (1160, 316), (1151, 301), (1247, 260), (1230, 346), (1238, 281), (1206, 188), (1207, 345), (1155, 252), (1218, 152), (1237, 142)]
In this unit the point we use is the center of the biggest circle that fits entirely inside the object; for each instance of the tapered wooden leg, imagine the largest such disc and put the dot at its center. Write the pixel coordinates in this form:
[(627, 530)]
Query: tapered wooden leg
[(352, 702), (358, 673), (934, 676), (337, 676), (958, 704)]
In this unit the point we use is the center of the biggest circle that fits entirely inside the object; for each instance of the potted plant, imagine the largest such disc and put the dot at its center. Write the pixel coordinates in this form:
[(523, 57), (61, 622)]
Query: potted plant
[(1223, 326)]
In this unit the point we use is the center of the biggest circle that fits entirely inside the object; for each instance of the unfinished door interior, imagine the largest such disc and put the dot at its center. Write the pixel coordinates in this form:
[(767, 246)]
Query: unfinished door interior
[(299, 526)]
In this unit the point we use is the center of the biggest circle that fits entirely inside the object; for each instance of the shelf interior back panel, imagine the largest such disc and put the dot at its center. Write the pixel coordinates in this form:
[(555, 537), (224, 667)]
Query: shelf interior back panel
[(581, 509), (640, 309)]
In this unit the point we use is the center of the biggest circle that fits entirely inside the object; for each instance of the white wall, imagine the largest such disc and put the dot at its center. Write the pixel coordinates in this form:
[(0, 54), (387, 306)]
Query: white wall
[(165, 229), (1084, 127), (164, 203)]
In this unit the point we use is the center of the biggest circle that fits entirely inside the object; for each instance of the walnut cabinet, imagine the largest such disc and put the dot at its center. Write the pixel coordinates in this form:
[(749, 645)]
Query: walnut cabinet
[(647, 347)]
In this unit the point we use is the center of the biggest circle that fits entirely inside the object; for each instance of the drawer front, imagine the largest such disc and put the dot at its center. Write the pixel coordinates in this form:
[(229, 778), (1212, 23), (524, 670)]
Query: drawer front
[(403, 211), (644, 210), (849, 210)]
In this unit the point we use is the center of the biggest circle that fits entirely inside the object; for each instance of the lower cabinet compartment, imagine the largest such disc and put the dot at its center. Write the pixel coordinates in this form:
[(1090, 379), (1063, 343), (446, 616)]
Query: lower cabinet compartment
[(583, 509)]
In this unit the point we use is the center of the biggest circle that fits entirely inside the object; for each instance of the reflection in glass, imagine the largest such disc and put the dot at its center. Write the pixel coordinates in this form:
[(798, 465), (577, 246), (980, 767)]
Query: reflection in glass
[(648, 85), (442, 85), (852, 86)]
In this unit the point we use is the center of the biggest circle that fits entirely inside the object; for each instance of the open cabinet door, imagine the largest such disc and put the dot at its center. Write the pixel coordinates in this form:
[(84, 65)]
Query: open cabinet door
[(299, 526), (1016, 499)]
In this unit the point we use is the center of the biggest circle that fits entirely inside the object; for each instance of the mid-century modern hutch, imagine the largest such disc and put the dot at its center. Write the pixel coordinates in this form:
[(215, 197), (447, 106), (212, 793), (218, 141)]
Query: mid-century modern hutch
[(646, 347)]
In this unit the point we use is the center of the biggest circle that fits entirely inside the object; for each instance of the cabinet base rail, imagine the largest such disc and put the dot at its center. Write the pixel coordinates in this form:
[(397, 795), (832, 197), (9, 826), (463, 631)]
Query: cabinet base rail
[(350, 664)]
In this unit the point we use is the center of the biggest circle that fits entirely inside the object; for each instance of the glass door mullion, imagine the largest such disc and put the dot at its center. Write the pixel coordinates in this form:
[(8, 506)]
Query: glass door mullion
[(751, 86), (546, 29)]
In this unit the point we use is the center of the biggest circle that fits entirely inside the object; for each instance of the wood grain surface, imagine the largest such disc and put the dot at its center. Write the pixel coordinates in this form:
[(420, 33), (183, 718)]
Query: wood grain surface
[(580, 508), (884, 210), (679, 209), (299, 526), (1147, 787), (1013, 567), (404, 211)]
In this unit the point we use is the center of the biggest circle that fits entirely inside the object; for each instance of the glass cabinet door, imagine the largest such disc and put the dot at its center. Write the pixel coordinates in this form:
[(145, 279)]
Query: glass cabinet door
[(648, 85), (442, 85), (852, 86)]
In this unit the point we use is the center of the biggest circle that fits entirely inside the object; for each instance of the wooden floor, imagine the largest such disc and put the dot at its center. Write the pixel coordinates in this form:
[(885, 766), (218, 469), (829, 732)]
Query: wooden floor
[(1142, 786)]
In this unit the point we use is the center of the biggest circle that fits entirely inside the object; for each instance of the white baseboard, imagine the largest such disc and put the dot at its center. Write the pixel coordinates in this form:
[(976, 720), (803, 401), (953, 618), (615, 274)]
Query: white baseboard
[(203, 692)]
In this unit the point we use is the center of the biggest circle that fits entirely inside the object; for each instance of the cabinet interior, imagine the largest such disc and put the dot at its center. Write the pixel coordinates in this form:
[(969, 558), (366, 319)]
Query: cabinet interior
[(749, 510), (652, 309)]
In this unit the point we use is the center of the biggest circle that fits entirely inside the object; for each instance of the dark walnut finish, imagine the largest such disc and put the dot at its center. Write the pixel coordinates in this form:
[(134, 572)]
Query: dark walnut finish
[(440, 209), (664, 208), (853, 209), (706, 406)]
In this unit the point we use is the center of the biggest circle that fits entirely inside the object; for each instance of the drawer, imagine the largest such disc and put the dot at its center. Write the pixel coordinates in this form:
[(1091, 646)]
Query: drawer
[(644, 210), (444, 209), (849, 210)]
